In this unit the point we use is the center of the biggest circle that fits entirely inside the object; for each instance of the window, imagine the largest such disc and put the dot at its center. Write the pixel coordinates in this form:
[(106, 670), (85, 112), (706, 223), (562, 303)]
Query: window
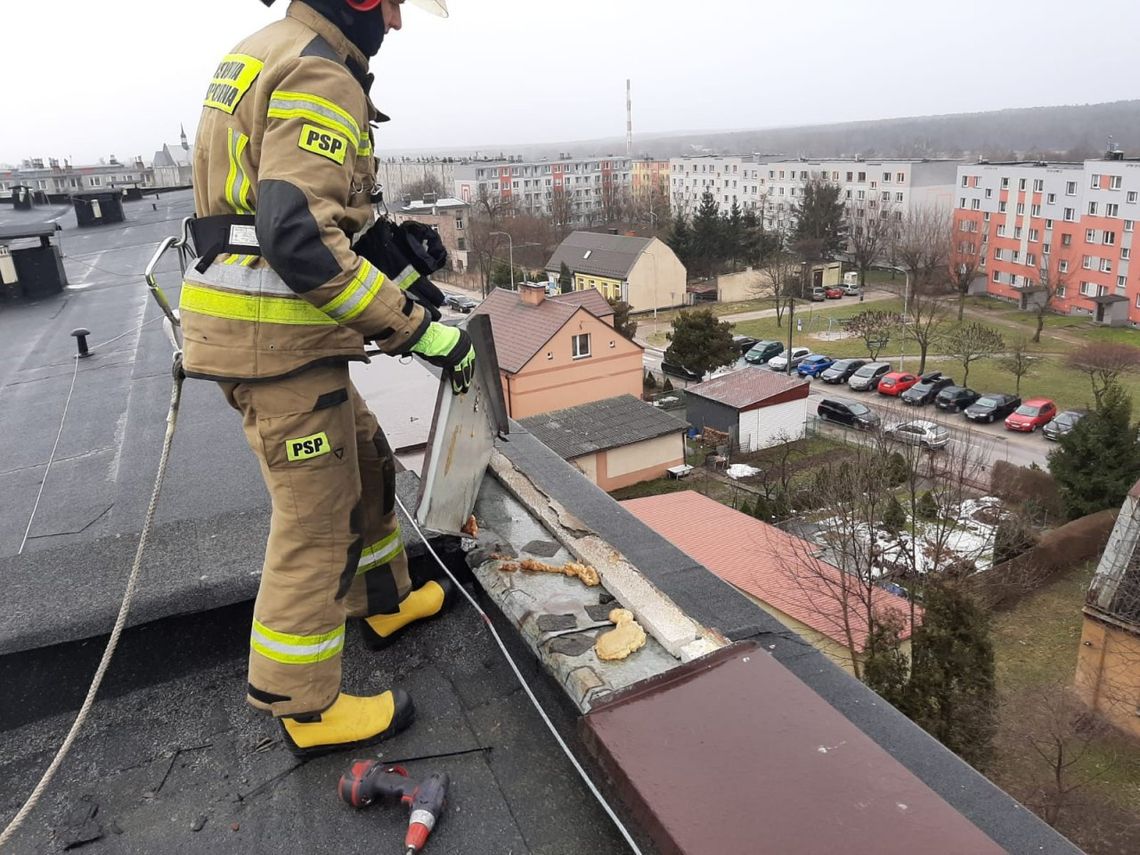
[(1109, 238), (1090, 235), (1070, 215), (1001, 231), (1017, 232), (900, 177), (862, 176), (1106, 265), (1114, 182), (461, 244), (459, 223), (1066, 240), (1092, 209), (1051, 198), (1030, 258), (1017, 256), (1033, 236), (899, 198), (850, 176), (1125, 253), (1021, 184), (1045, 247), (1004, 183), (1070, 188), (1094, 181), (1131, 197), (961, 201), (1038, 185), (974, 205), (1087, 262), (1061, 291), (581, 346), (1020, 208), (1111, 209), (1001, 207), (1121, 281), (1035, 211), (997, 276), (1048, 224), (998, 254), (965, 179), (1128, 225)]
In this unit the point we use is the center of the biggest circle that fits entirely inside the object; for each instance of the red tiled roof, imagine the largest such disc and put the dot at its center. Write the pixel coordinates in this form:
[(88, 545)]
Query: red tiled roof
[(749, 387), (520, 329), (773, 566)]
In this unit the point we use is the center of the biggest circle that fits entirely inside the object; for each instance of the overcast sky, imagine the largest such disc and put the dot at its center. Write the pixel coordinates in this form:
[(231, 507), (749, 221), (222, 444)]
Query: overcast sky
[(90, 78)]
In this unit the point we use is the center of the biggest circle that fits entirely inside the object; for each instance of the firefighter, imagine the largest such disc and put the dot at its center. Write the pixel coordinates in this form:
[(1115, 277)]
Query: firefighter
[(274, 309)]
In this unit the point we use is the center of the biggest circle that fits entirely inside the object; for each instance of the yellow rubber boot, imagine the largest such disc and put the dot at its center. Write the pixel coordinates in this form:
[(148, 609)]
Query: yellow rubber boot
[(424, 602), (351, 722)]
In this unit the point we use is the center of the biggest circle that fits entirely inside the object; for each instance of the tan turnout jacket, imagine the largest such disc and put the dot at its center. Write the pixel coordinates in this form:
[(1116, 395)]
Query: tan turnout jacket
[(285, 135)]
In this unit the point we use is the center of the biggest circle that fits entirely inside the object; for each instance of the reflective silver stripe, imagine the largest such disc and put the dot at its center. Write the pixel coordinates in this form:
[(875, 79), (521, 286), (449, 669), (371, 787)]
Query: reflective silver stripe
[(356, 295), (293, 105), (406, 278), (373, 557), (242, 280), (294, 653)]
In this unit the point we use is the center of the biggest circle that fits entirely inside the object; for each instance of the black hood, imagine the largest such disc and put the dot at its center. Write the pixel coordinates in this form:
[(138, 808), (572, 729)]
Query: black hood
[(363, 29)]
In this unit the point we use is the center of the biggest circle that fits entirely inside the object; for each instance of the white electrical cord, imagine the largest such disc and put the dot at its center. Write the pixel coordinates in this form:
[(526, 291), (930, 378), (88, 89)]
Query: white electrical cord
[(526, 688), (120, 621)]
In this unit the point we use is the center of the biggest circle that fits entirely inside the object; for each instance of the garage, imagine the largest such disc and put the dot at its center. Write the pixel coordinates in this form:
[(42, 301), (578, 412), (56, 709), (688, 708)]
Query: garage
[(754, 406)]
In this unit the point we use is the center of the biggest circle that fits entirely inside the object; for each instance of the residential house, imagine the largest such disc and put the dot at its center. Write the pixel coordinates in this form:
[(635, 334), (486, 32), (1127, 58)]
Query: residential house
[(1108, 660), (778, 571), (561, 351), (643, 272), (754, 406), (614, 442), (449, 217)]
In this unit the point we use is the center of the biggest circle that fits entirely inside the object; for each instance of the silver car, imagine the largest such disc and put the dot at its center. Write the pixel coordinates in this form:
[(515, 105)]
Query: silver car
[(779, 362), (925, 434)]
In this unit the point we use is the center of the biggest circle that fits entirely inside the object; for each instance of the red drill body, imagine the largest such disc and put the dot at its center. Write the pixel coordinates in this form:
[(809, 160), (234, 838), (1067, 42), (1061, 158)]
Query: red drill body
[(369, 780)]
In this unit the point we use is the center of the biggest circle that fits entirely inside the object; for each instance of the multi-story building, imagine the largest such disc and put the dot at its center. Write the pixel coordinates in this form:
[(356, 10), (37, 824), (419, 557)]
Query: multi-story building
[(649, 185), (54, 176), (772, 186), (400, 177), (1067, 225), (572, 191)]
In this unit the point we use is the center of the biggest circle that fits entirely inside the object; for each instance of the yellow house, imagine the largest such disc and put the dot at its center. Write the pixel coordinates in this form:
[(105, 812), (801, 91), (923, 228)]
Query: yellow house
[(643, 272)]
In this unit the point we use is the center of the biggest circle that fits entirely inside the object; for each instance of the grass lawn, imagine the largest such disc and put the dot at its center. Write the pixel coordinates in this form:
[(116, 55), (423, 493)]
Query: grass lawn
[(819, 319), (1035, 648)]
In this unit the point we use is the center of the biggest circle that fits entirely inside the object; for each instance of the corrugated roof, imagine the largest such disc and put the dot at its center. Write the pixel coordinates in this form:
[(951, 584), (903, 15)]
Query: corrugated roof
[(599, 425), (598, 254), (747, 387), (775, 567), (520, 329)]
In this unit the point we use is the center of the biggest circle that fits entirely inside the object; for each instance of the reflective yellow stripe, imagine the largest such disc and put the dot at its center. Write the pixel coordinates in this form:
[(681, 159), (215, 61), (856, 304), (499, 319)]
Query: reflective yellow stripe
[(356, 296), (381, 552), (295, 649), (407, 276), (243, 260), (237, 182), (242, 307), (301, 105)]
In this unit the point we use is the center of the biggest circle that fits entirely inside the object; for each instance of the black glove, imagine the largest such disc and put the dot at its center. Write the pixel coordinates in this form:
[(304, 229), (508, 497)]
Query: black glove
[(406, 259), (449, 348)]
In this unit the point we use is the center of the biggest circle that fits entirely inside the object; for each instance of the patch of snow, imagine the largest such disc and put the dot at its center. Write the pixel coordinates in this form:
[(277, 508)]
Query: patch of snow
[(742, 470)]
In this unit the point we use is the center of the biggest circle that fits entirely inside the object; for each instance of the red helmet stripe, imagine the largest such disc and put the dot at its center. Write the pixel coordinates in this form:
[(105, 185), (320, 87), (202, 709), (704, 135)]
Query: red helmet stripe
[(363, 5)]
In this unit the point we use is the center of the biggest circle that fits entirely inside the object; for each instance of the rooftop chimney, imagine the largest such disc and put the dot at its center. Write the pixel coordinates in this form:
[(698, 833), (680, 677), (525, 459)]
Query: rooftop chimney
[(532, 293)]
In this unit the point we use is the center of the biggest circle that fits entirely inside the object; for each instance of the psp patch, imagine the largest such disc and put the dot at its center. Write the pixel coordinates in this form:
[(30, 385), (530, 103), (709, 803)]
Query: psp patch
[(307, 447), (323, 142), (234, 76)]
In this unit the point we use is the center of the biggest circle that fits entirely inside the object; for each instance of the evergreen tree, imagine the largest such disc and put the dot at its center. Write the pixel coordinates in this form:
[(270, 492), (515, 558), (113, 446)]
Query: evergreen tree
[(819, 220), (733, 233), (565, 279), (951, 690), (1098, 461), (623, 323), (894, 517), (885, 667), (708, 236), (700, 342), (680, 239)]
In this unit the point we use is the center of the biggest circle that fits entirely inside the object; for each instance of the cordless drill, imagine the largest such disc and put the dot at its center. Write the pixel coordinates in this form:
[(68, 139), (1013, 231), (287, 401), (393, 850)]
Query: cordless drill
[(370, 780)]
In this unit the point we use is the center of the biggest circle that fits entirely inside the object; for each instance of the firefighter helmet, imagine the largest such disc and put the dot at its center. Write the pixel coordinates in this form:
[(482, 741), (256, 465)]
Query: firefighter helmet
[(436, 7)]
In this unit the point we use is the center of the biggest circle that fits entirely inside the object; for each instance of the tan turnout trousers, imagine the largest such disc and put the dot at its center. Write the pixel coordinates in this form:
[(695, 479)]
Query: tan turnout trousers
[(334, 543)]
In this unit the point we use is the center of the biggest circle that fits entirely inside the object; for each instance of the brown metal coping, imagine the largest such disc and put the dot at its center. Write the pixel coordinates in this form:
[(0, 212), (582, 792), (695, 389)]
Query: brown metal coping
[(731, 754)]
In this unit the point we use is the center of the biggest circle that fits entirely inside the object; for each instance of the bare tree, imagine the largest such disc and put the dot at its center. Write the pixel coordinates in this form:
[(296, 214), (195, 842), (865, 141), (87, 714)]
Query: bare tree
[(875, 327), (487, 216), (964, 262), (922, 246), (1019, 361), (422, 187), (1042, 294), (1103, 362), (925, 324), (970, 342), (868, 233), (782, 272)]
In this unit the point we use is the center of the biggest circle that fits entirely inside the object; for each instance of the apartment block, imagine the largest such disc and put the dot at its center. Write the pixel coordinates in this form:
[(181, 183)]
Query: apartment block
[(574, 191), (1074, 221), (772, 186), (54, 176), (649, 183)]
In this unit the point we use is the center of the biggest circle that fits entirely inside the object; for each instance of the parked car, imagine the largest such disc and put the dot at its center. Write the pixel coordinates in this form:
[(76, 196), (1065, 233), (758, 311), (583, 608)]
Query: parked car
[(779, 362), (461, 303), (818, 294), (927, 434), (848, 413), (927, 387), (841, 371), (895, 383), (814, 365), (1062, 424), (851, 289), (762, 351), (743, 343), (1034, 413), (676, 370), (990, 408), (833, 293), (954, 399), (868, 376)]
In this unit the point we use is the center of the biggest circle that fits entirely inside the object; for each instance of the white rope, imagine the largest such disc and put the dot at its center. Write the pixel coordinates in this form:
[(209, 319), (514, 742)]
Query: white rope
[(120, 621), (51, 457), (526, 688)]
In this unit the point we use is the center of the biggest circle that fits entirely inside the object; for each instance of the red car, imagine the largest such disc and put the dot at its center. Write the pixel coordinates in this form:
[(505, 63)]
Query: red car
[(833, 293), (1034, 413), (895, 383)]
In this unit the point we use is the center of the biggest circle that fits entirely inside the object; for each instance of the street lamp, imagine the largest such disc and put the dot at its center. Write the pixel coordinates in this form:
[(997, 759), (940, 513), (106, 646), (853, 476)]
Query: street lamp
[(511, 247)]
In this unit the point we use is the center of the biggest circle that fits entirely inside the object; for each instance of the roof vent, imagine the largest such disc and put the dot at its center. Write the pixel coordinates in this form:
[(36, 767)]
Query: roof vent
[(587, 254)]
